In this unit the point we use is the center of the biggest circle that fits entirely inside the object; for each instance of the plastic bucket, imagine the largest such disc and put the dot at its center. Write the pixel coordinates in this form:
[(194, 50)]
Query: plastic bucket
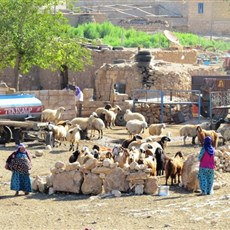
[(206, 62), (195, 110), (163, 190)]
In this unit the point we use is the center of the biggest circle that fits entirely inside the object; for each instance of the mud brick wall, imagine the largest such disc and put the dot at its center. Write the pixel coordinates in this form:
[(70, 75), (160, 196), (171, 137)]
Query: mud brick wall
[(182, 56)]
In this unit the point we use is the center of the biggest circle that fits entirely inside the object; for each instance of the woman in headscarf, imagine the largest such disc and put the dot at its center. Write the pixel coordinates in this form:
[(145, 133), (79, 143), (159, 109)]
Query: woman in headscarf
[(19, 162), (207, 166)]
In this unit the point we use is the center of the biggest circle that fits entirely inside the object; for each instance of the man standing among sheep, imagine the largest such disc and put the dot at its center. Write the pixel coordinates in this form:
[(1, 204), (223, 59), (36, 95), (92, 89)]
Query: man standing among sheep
[(207, 166), (78, 99)]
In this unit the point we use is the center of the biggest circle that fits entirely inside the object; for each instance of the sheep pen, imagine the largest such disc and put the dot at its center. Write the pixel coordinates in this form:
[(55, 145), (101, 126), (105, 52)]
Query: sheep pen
[(133, 207)]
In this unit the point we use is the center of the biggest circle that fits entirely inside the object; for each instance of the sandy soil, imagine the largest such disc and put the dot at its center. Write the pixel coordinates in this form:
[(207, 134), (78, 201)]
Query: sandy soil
[(179, 210)]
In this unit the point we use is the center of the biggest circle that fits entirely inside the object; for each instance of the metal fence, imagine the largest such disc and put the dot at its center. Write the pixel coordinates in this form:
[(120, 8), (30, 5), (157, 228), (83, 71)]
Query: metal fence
[(219, 101), (170, 97)]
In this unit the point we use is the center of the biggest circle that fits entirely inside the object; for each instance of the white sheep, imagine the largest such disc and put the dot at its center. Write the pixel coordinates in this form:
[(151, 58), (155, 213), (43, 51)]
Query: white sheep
[(110, 116), (156, 129), (136, 126), (73, 136), (129, 115), (152, 146), (83, 122), (95, 123), (189, 130), (99, 111), (224, 130), (52, 115), (115, 109), (60, 130)]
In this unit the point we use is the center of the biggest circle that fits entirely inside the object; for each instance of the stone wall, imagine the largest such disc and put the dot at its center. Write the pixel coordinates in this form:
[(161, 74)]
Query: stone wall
[(39, 79), (163, 76), (45, 79)]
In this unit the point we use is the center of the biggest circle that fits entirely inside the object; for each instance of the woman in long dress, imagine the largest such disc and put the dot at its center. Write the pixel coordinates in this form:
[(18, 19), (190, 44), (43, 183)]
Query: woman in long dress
[(19, 162), (207, 167)]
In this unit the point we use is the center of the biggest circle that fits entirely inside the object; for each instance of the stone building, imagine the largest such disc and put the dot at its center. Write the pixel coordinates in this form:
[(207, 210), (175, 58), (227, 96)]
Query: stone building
[(205, 17)]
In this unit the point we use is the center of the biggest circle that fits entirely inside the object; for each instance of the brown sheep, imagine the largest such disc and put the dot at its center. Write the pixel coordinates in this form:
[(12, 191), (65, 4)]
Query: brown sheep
[(147, 158), (122, 157), (150, 162), (202, 133), (173, 168)]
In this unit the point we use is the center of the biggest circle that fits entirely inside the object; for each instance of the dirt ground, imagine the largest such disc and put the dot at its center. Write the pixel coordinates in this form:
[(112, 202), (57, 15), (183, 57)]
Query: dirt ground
[(180, 210)]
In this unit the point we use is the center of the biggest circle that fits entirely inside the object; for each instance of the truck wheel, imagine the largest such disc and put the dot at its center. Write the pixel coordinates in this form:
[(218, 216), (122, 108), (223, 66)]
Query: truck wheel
[(17, 136), (5, 134), (120, 119)]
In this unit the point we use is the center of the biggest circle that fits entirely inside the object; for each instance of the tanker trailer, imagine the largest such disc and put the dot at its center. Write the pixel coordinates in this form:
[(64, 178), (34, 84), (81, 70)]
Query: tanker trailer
[(20, 107), (19, 114)]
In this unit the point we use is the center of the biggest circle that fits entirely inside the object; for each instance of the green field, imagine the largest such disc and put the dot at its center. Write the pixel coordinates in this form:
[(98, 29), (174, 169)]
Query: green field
[(117, 36)]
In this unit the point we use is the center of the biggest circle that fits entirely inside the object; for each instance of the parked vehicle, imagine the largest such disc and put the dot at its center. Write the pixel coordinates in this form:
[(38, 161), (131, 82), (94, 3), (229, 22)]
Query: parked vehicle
[(20, 115)]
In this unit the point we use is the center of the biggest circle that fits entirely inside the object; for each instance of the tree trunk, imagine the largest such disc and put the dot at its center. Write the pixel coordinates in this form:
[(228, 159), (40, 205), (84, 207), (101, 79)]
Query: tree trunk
[(17, 71), (64, 76)]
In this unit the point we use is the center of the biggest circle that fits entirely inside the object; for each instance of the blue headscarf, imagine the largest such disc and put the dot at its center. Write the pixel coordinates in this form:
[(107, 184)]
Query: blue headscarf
[(21, 145), (208, 146)]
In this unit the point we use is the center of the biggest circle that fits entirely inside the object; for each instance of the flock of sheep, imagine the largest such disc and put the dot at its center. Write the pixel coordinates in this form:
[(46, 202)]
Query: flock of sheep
[(71, 131), (148, 151)]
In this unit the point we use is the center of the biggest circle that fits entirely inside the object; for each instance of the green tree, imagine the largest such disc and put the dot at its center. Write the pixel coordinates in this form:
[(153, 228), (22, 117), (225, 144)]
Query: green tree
[(32, 35)]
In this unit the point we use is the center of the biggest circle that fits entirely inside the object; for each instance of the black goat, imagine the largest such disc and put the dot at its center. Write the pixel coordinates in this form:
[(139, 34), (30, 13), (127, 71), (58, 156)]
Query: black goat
[(160, 161), (96, 147), (126, 142), (74, 156), (96, 151), (219, 122), (163, 141)]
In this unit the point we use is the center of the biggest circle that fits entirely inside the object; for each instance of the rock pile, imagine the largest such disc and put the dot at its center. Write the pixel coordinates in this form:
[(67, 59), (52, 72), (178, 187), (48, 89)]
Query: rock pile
[(96, 177)]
